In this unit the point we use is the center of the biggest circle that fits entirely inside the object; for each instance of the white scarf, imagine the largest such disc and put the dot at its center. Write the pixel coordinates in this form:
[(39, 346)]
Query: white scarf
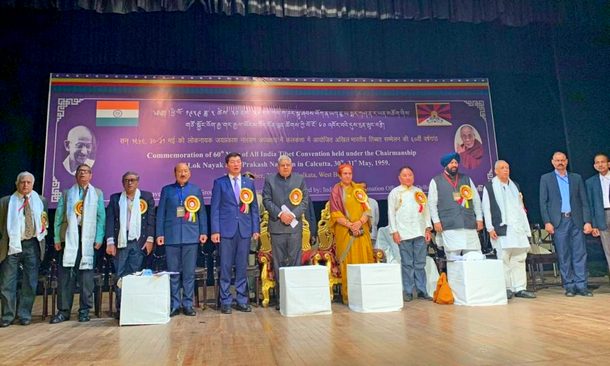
[(511, 206), (15, 221), (135, 219), (88, 224)]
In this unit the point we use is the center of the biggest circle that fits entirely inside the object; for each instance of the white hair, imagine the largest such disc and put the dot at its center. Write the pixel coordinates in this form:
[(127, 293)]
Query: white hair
[(284, 157), (498, 163), (23, 174)]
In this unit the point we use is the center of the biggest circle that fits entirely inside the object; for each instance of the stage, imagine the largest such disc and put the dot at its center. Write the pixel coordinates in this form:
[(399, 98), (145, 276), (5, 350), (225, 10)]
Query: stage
[(551, 329)]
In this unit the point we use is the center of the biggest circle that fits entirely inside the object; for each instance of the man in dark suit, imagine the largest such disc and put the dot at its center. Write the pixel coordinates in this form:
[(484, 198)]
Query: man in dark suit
[(181, 224), (130, 228), (286, 198), (565, 212), (23, 230), (598, 190), (235, 222)]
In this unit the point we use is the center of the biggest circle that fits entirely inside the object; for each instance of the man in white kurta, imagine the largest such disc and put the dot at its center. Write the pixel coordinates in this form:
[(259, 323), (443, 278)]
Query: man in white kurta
[(508, 227), (455, 210), (409, 223)]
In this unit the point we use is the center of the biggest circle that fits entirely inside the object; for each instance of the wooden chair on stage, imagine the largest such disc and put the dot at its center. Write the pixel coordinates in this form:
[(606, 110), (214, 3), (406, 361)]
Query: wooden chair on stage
[(326, 253), (265, 256)]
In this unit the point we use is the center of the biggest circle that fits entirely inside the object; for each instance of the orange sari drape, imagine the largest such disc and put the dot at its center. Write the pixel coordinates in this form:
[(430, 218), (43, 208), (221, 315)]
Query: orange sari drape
[(361, 249)]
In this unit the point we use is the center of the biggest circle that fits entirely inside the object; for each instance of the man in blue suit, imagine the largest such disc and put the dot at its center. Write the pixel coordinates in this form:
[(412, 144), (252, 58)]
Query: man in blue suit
[(130, 228), (598, 190), (181, 225), (235, 221), (565, 212)]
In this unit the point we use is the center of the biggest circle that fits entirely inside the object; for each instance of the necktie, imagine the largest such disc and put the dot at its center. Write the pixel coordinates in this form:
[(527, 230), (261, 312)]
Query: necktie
[(236, 189), (29, 223)]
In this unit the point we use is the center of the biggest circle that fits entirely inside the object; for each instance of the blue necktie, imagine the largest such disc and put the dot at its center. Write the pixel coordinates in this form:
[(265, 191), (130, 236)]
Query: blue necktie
[(236, 189)]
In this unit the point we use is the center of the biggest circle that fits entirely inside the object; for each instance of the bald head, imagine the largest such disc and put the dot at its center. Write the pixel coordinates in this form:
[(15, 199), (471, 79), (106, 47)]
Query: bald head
[(467, 136), (79, 145)]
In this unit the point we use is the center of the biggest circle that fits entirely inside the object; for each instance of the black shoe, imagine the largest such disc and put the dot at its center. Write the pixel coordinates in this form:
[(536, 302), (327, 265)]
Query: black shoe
[(407, 297), (5, 323), (174, 312), (25, 321), (58, 318), (189, 312), (117, 315), (83, 318), (569, 293), (225, 309), (424, 296), (246, 308), (525, 294), (509, 294), (585, 293), (277, 307)]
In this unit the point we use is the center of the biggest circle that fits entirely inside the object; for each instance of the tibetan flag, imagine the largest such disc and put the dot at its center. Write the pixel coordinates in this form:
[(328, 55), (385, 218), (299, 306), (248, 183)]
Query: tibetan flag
[(433, 114), (111, 113)]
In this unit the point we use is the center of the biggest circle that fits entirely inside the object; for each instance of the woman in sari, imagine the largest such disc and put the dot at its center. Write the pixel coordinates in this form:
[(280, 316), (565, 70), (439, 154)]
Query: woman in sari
[(349, 214)]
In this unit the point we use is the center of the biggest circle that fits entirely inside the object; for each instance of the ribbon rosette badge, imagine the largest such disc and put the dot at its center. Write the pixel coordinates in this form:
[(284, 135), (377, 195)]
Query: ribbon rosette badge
[(466, 193), (44, 221), (246, 196), (143, 206), (361, 197), (296, 196), (191, 205), (421, 199), (78, 208)]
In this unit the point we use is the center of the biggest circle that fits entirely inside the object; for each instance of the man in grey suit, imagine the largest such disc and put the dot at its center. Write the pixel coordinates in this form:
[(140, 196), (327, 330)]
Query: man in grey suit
[(23, 230), (598, 191), (565, 212), (286, 198)]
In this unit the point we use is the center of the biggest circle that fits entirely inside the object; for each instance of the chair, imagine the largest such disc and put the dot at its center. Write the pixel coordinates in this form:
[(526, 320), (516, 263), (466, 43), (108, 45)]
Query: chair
[(113, 281), (201, 277), (265, 257), (541, 252), (253, 271), (325, 254), (45, 280)]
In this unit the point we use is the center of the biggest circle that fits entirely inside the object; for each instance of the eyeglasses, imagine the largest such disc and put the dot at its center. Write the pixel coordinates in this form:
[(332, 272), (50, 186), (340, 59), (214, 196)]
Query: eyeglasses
[(130, 180), (83, 171)]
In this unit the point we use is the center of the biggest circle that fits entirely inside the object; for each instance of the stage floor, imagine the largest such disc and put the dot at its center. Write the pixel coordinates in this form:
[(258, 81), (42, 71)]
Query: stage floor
[(551, 329)]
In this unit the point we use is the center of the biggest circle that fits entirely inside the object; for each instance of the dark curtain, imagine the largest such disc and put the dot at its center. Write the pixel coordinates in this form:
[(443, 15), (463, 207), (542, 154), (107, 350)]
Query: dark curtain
[(549, 83), (507, 12)]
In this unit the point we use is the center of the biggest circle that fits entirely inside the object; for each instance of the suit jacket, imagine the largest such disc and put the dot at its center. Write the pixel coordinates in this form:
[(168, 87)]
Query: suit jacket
[(4, 239), (113, 214), (276, 193), (550, 200), (596, 202), (225, 215), (178, 230)]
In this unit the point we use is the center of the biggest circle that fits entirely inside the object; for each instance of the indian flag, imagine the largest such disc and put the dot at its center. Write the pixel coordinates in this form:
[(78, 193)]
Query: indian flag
[(110, 113)]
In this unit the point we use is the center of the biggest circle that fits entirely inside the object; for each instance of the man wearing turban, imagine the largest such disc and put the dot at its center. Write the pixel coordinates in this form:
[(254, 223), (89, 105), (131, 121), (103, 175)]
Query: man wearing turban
[(455, 209)]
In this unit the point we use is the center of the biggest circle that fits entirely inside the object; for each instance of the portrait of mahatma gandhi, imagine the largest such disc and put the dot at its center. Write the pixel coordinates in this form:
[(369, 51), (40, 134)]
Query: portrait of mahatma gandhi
[(469, 145), (80, 146)]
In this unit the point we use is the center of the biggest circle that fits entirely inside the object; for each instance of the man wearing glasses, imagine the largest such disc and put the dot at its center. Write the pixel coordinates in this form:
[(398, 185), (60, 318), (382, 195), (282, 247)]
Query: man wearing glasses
[(130, 228), (79, 231)]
